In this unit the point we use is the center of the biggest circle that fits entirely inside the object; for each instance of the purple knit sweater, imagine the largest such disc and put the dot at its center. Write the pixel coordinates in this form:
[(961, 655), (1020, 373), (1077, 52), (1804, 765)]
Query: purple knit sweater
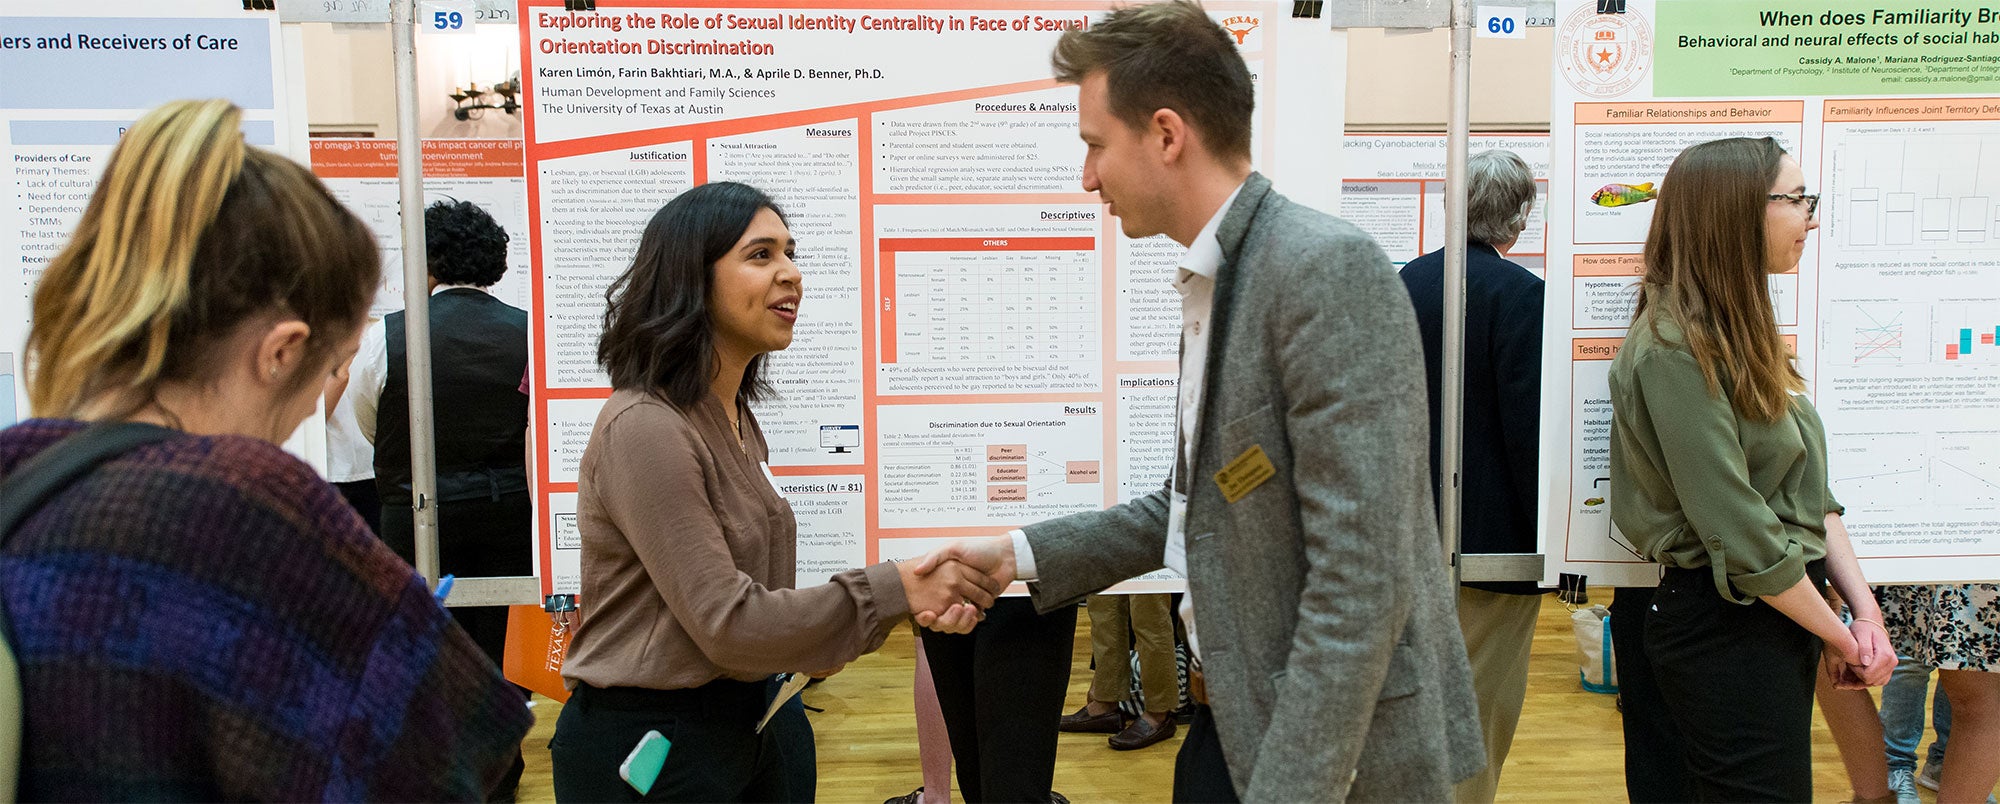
[(206, 619)]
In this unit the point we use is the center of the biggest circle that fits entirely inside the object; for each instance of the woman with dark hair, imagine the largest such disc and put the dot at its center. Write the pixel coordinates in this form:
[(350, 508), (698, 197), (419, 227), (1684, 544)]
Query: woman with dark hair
[(688, 548), (202, 618), (1718, 472)]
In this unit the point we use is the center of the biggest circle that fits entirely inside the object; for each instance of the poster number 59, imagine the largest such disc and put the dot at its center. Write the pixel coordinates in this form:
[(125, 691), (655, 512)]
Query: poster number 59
[(446, 16)]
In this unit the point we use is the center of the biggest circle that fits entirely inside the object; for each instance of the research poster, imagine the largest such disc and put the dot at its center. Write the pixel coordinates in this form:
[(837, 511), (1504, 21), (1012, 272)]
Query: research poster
[(1394, 190), (979, 347), (362, 174), (73, 76), (1891, 107)]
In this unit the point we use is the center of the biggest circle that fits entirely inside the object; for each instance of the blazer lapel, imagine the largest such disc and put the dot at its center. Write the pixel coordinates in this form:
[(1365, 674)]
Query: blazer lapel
[(1235, 227)]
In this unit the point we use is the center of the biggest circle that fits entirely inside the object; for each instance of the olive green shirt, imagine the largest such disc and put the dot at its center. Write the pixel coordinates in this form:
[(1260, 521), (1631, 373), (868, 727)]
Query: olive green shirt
[(1694, 484)]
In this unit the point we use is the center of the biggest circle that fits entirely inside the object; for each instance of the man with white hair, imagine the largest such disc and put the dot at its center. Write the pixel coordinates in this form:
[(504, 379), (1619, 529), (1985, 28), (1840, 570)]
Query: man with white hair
[(1503, 382)]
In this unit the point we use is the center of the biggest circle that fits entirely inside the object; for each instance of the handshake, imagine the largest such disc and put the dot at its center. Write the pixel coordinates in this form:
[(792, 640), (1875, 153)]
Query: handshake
[(949, 589)]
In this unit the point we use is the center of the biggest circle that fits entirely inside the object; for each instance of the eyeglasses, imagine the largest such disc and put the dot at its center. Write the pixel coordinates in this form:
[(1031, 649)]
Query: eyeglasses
[(1810, 200)]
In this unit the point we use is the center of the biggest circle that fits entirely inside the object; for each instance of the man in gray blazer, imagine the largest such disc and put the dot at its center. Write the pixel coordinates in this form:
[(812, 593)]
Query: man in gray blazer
[(1300, 507)]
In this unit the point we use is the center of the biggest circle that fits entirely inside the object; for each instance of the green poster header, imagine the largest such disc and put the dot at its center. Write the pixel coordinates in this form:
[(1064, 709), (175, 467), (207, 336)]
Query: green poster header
[(1710, 48)]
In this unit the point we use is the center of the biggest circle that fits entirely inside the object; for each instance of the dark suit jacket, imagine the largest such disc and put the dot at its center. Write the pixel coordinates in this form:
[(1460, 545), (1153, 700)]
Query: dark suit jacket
[(1330, 643), (1503, 396)]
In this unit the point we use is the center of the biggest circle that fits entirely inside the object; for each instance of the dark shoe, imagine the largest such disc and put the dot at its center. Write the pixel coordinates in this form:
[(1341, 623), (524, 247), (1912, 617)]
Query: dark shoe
[(915, 797), (1082, 720), (1142, 733), (1057, 798)]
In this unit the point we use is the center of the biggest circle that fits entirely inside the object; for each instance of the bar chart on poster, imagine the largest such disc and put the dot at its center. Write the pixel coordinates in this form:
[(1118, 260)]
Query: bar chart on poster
[(1895, 305)]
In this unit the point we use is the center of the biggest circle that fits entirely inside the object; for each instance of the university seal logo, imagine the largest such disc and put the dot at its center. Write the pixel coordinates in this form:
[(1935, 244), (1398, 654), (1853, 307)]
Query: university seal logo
[(1604, 55)]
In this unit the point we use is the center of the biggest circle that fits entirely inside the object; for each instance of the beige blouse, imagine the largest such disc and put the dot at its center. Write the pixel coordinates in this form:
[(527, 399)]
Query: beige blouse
[(688, 559)]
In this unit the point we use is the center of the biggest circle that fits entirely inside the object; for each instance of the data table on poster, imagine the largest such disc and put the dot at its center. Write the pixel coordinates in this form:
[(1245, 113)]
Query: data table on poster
[(1003, 314)]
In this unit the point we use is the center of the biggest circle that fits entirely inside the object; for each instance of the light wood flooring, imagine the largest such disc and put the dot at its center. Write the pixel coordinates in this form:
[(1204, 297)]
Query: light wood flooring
[(1568, 748)]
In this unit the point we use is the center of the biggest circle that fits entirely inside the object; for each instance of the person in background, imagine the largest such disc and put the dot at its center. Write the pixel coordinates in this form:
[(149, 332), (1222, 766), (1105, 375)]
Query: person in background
[(350, 458), (479, 351), (1120, 625), (1502, 448), (689, 549), (1902, 714), (1955, 628), (933, 743), (1719, 474), (204, 618), (479, 348), (1001, 691)]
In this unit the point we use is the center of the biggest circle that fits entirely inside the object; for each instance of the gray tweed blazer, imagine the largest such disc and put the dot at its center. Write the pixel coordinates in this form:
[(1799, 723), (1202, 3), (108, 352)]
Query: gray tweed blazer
[(1329, 635)]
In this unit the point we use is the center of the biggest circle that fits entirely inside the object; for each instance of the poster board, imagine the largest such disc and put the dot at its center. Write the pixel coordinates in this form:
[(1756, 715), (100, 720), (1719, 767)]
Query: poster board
[(78, 73), (1888, 107), (979, 347), (362, 174), (1394, 190)]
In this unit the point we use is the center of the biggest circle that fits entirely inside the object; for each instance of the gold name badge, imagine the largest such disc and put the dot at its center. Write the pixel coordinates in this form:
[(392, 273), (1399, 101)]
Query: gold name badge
[(1247, 472)]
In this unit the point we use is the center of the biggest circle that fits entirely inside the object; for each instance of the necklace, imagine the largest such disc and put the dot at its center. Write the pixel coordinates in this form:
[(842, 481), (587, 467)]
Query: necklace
[(737, 423)]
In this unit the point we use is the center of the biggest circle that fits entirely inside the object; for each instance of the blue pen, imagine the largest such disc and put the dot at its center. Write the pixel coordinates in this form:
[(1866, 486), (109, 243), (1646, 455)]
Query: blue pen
[(443, 590)]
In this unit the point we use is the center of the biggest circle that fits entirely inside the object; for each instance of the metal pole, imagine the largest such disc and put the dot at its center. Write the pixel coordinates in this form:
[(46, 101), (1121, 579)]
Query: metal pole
[(1451, 399), (416, 289)]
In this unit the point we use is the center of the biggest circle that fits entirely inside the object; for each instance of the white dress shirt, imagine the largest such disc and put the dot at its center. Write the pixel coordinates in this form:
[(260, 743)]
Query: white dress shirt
[(1196, 283)]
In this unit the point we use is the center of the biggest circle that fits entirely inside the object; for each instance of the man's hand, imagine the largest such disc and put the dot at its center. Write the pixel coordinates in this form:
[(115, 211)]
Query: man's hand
[(947, 597), (993, 556)]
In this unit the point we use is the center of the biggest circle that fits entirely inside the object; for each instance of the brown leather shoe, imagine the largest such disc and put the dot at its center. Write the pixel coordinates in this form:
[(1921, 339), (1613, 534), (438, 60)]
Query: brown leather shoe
[(1142, 733), (1082, 720)]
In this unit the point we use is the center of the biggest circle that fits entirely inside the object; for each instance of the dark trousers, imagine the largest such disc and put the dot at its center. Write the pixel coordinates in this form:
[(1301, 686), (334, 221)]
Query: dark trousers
[(1738, 683), (1201, 775), (476, 539), (1001, 690), (361, 494), (715, 755), (1654, 771)]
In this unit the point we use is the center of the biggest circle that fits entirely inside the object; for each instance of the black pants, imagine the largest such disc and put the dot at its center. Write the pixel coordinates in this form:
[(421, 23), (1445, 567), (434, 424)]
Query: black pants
[(1654, 771), (1738, 683), (715, 755), (361, 494), (1001, 690), (476, 539), (1201, 774)]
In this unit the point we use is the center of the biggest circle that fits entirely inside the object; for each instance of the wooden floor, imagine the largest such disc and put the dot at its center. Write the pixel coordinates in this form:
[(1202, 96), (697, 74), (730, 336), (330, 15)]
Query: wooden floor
[(1568, 747)]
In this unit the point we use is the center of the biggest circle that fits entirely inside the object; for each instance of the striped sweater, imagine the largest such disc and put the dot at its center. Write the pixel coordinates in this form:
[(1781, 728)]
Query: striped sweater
[(205, 619)]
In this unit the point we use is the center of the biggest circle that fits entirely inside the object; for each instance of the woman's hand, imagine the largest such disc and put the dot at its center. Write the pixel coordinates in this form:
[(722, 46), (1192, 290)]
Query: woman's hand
[(1877, 656), (951, 592)]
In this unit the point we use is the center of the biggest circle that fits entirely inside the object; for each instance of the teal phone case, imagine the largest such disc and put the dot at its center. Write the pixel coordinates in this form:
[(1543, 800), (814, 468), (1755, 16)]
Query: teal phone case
[(642, 767)]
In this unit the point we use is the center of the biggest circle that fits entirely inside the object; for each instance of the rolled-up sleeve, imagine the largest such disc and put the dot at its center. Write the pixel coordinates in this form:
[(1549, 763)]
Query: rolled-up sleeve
[(1747, 544)]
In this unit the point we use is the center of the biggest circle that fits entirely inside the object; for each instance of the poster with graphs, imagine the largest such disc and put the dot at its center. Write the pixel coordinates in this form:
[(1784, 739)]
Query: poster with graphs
[(979, 347), (1894, 309)]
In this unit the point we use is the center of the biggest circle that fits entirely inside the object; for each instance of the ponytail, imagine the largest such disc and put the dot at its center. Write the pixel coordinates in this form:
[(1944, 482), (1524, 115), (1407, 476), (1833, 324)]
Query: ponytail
[(189, 234)]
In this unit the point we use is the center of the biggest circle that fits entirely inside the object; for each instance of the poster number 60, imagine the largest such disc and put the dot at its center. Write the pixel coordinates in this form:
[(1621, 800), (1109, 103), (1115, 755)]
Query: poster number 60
[(1501, 22)]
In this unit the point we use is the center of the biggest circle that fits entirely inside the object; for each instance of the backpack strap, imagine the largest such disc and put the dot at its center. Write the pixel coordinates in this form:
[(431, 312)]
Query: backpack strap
[(31, 485)]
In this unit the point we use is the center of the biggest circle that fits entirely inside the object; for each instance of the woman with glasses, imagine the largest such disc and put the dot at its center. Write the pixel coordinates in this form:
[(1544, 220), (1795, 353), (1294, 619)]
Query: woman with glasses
[(1719, 473)]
